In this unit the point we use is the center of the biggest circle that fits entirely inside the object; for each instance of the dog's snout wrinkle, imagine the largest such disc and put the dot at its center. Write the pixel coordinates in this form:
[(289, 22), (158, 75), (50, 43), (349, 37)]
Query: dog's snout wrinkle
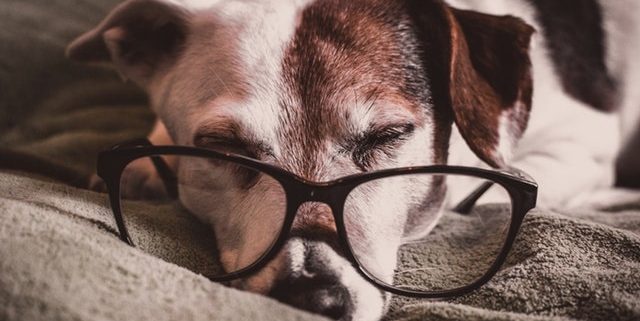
[(315, 222)]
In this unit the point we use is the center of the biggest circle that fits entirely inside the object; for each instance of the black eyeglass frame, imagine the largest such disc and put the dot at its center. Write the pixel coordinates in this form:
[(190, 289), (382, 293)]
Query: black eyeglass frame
[(521, 189)]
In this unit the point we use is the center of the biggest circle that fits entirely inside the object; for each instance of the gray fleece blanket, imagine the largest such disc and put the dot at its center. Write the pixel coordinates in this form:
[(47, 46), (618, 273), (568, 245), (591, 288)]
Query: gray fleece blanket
[(60, 257)]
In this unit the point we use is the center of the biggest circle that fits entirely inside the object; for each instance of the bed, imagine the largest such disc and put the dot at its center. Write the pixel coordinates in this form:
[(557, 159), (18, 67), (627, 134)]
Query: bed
[(61, 259)]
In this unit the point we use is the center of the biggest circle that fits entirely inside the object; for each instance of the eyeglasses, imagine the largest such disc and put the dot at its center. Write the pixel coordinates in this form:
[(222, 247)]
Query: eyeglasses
[(463, 247)]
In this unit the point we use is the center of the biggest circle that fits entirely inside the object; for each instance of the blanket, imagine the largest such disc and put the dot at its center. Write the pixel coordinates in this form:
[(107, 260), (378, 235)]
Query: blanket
[(61, 259)]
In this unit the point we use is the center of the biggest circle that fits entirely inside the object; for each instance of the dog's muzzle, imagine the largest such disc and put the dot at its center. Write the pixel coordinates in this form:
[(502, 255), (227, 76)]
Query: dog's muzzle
[(312, 280), (319, 293)]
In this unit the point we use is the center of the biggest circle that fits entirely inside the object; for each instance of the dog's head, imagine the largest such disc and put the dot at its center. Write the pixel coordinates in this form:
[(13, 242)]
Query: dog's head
[(322, 88)]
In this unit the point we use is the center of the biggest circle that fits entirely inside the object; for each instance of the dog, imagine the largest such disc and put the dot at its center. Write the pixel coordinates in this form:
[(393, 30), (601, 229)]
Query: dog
[(299, 83)]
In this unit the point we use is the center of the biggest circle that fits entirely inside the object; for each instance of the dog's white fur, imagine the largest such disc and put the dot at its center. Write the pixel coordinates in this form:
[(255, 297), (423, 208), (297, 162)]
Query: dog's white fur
[(231, 71)]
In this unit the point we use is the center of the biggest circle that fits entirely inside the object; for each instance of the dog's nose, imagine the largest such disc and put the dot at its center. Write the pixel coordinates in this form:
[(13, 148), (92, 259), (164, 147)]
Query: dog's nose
[(312, 280), (315, 292)]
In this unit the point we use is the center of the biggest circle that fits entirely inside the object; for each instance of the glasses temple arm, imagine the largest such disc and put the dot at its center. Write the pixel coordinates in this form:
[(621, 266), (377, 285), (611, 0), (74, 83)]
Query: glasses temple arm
[(466, 205)]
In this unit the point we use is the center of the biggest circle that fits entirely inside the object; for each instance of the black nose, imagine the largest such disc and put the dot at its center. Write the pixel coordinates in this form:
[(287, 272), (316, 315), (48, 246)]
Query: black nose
[(317, 293), (311, 279)]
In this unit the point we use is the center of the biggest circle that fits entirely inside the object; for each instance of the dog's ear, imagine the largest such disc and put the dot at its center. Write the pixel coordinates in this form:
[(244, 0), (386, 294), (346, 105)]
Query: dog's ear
[(490, 81), (139, 37), (479, 65)]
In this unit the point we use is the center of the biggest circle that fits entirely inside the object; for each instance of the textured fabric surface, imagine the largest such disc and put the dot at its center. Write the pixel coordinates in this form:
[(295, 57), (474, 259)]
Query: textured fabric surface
[(578, 265), (61, 259)]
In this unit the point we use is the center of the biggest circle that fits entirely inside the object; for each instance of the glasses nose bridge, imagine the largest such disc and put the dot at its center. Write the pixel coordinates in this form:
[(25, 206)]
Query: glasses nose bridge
[(316, 193), (316, 214)]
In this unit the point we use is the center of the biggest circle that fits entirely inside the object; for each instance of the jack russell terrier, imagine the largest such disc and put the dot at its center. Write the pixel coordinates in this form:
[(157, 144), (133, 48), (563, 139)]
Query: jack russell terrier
[(289, 81)]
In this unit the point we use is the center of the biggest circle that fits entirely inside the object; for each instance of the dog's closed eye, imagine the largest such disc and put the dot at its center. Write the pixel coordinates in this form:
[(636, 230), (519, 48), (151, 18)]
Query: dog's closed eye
[(246, 177), (223, 143), (378, 142)]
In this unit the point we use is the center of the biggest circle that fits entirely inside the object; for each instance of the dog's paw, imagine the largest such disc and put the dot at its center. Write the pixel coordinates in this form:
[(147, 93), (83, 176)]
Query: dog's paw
[(139, 180)]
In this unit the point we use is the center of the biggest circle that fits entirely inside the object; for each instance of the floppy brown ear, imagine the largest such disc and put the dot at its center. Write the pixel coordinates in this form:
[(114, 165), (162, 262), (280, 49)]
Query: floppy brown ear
[(480, 74), (139, 37), (490, 81)]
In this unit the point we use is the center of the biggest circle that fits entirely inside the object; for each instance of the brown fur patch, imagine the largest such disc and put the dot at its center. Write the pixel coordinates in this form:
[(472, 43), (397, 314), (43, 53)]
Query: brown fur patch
[(474, 66), (490, 74), (345, 50), (315, 222), (363, 50)]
